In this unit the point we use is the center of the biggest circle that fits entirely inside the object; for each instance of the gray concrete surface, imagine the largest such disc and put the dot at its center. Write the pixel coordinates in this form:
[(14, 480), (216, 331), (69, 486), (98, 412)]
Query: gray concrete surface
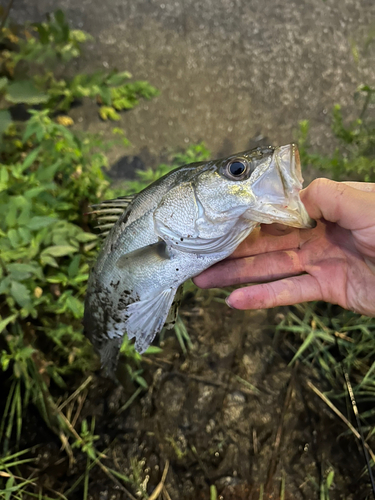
[(228, 70)]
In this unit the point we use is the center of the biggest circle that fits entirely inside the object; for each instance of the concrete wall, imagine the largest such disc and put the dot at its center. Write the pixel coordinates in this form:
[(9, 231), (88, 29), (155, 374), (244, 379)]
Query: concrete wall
[(228, 70)]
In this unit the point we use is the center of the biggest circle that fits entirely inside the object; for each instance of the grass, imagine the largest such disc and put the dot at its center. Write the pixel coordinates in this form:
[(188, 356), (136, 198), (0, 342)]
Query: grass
[(42, 277)]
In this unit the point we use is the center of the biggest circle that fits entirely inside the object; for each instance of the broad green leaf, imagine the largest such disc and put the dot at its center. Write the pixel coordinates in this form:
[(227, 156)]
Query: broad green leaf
[(85, 237), (20, 293), (25, 235), (38, 222), (11, 216), (24, 91), (20, 271), (59, 250), (25, 214), (34, 192), (48, 260), (75, 306), (13, 237), (74, 266), (4, 285)]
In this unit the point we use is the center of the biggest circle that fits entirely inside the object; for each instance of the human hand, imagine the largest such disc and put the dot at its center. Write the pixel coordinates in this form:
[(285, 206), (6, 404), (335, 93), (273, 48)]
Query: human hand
[(334, 262)]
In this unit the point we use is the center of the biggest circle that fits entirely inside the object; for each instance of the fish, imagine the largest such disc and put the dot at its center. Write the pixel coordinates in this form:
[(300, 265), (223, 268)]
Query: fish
[(180, 225)]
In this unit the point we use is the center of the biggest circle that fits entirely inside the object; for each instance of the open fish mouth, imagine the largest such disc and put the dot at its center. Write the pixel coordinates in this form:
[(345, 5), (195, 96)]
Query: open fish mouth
[(282, 182)]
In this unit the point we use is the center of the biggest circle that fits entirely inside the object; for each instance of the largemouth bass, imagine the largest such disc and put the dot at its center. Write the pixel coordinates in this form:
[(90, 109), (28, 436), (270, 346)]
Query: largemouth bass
[(176, 228)]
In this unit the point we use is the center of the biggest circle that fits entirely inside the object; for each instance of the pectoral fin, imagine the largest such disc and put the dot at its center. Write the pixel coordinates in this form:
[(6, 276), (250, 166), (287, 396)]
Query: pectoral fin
[(144, 319), (148, 255)]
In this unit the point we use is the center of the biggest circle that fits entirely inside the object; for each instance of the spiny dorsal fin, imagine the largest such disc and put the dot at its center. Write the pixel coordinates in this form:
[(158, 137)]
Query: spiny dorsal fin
[(108, 212)]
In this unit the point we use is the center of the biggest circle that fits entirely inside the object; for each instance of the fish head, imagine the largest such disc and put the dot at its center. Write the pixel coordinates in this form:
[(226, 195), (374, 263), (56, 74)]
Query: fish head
[(261, 185)]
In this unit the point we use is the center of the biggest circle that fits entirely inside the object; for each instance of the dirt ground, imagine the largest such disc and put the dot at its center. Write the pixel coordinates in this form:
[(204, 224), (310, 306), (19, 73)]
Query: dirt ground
[(229, 413)]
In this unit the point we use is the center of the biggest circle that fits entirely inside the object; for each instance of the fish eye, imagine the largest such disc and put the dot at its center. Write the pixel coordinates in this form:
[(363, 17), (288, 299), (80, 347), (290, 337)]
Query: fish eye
[(238, 169)]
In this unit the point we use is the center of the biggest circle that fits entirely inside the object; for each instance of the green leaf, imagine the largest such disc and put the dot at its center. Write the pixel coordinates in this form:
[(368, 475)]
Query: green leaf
[(30, 158), (4, 178), (153, 349), (74, 266), (48, 173), (20, 293), (13, 237), (5, 322), (141, 381), (107, 112), (24, 91), (20, 271), (75, 306), (43, 33), (5, 120), (47, 260), (25, 235), (85, 237), (59, 250), (60, 17), (38, 222), (330, 477), (118, 78), (11, 216), (3, 82)]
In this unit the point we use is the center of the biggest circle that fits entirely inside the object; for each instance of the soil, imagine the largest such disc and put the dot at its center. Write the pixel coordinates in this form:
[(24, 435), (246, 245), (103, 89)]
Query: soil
[(230, 413)]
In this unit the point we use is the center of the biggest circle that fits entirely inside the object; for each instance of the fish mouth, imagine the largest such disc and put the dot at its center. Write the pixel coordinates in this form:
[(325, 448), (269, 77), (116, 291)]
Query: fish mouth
[(282, 181)]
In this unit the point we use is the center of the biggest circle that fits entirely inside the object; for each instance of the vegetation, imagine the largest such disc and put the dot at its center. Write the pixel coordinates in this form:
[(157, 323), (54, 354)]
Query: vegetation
[(339, 344), (49, 175), (335, 339), (354, 155)]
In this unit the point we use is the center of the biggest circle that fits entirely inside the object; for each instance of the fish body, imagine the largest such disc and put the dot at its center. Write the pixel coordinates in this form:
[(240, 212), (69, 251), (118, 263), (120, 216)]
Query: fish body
[(176, 228)]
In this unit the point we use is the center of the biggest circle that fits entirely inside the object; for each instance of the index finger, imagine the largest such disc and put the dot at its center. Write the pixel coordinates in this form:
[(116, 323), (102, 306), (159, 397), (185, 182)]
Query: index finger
[(262, 242)]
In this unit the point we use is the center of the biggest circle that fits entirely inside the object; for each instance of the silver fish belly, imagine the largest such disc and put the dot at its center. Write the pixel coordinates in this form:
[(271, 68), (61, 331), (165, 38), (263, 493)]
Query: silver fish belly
[(176, 228)]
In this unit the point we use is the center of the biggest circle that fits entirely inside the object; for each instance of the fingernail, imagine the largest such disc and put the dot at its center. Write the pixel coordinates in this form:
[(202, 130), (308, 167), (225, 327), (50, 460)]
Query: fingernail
[(228, 303)]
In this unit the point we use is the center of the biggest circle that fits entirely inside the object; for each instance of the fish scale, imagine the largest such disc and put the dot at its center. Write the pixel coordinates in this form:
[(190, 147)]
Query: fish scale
[(176, 228)]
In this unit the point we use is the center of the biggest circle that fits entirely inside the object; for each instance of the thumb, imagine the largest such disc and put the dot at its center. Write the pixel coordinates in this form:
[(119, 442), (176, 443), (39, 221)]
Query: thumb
[(339, 202)]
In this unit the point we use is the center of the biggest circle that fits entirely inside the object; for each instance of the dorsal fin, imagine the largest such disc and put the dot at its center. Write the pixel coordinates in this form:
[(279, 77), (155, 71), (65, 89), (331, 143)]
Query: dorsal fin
[(108, 212)]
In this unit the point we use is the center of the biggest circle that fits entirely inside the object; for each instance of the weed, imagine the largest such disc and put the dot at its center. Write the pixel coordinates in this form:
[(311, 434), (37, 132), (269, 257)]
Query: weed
[(49, 175)]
